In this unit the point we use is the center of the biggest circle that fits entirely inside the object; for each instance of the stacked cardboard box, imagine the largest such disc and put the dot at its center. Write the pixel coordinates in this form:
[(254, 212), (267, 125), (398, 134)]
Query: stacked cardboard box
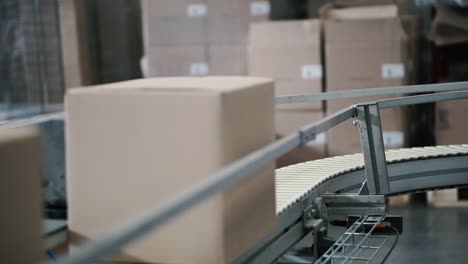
[(450, 129), (199, 37), (365, 47), (230, 116), (20, 196), (289, 52)]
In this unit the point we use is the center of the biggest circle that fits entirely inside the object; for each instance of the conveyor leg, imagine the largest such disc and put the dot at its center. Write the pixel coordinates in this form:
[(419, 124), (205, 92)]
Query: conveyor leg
[(370, 128)]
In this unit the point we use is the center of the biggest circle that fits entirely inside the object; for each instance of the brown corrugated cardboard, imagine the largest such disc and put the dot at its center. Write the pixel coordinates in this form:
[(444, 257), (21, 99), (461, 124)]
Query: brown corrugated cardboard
[(137, 131), (289, 52), (227, 59), (344, 138), (291, 120), (364, 53), (20, 196), (451, 126), (177, 61)]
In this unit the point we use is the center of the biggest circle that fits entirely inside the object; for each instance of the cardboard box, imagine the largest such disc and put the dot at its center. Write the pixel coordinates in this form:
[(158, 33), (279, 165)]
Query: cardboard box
[(291, 120), (451, 125), (174, 31), (177, 61), (227, 59), (20, 196), (288, 52), (137, 130), (364, 53), (345, 138), (228, 29)]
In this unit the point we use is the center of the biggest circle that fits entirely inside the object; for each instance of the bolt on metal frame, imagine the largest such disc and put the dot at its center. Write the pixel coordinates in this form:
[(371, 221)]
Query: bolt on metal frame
[(377, 178)]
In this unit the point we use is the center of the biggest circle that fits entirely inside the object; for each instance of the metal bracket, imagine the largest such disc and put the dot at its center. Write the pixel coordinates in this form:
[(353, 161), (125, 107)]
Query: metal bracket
[(370, 128), (354, 204), (306, 136)]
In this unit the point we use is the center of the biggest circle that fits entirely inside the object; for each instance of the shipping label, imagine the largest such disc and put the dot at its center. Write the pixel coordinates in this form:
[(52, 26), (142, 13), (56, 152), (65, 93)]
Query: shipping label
[(311, 71), (393, 138), (197, 10), (199, 69), (393, 71), (260, 8)]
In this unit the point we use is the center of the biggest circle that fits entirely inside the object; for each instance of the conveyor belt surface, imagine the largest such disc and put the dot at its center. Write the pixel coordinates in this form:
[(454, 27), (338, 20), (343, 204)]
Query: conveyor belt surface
[(296, 181)]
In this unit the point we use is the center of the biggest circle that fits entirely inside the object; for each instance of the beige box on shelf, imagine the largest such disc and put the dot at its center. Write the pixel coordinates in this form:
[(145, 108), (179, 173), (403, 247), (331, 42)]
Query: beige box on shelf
[(177, 61), (227, 59), (289, 52), (291, 120), (21, 196), (364, 53), (135, 144)]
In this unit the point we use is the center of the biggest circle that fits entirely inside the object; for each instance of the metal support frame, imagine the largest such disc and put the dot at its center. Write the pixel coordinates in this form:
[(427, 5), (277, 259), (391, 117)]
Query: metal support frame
[(370, 129), (354, 204)]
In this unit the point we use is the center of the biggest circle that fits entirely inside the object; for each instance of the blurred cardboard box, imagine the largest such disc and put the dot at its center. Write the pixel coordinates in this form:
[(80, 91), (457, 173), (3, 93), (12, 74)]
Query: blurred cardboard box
[(21, 196), (289, 121), (364, 53), (177, 61), (288, 52), (137, 131), (228, 59)]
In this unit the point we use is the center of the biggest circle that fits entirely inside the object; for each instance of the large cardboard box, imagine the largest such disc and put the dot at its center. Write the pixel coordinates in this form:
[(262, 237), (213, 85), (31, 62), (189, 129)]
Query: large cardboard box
[(227, 59), (133, 145), (289, 52), (228, 29), (288, 121), (177, 61), (20, 196), (364, 53)]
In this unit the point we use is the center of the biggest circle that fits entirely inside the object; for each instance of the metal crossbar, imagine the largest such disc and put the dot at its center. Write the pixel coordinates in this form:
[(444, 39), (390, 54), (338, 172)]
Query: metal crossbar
[(351, 245)]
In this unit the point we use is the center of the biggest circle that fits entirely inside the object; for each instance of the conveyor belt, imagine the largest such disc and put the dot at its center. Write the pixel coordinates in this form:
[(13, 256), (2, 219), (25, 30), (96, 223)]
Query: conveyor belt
[(296, 181)]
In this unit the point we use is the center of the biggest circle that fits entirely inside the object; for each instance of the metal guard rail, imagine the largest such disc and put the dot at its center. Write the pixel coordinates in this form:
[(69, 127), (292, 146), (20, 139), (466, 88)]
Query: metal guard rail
[(368, 118)]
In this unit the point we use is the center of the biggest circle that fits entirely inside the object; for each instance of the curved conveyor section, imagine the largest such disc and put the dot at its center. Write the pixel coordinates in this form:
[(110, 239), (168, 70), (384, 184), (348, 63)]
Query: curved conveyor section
[(295, 182), (297, 186)]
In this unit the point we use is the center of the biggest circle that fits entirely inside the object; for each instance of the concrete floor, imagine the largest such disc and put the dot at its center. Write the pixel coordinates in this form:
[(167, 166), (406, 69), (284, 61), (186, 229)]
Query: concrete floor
[(431, 235)]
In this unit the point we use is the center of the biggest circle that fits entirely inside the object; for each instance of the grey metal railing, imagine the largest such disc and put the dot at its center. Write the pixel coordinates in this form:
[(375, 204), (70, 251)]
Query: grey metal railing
[(368, 118)]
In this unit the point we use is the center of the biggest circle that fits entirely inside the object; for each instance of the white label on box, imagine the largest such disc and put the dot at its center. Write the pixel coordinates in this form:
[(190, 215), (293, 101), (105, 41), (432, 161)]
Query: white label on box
[(393, 71), (320, 139), (198, 69), (197, 10), (393, 138), (311, 71), (260, 8)]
